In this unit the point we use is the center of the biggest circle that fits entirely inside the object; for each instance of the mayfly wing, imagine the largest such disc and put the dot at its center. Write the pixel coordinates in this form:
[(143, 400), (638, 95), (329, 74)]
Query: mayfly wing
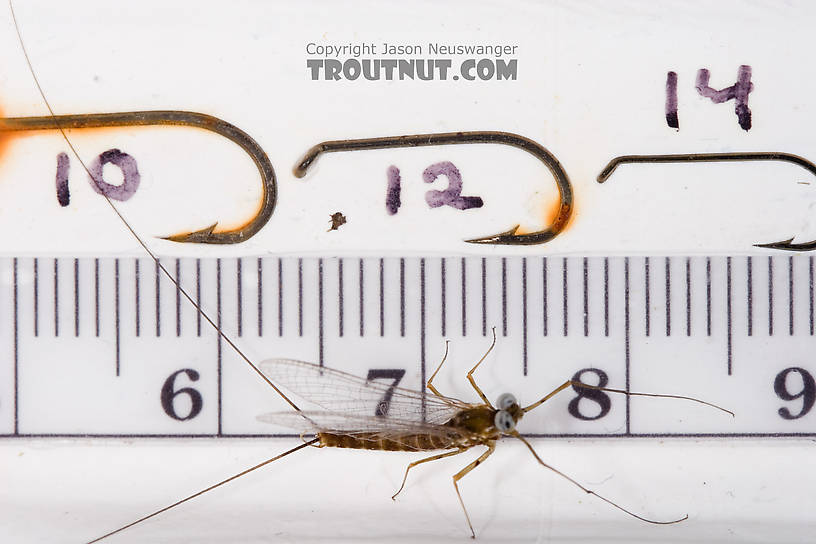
[(350, 395)]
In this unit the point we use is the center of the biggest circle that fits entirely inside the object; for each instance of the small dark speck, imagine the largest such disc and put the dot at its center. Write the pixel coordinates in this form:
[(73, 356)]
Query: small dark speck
[(96, 79), (337, 220)]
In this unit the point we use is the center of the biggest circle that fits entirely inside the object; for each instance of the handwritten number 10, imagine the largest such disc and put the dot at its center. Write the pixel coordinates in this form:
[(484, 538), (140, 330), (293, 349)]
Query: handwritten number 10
[(123, 161)]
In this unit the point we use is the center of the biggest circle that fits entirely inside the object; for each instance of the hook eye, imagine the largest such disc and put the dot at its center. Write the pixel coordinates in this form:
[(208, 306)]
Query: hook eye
[(176, 118), (509, 237), (785, 245)]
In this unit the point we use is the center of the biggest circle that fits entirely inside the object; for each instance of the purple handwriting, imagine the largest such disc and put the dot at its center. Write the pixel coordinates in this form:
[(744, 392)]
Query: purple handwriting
[(671, 100), (738, 92), (452, 196), (123, 161), (392, 193), (130, 175), (63, 168)]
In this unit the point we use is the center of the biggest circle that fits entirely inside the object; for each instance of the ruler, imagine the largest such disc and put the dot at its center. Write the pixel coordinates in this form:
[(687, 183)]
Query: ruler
[(108, 347)]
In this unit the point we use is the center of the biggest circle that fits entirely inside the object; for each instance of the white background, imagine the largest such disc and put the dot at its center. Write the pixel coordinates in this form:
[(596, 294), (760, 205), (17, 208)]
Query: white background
[(591, 87)]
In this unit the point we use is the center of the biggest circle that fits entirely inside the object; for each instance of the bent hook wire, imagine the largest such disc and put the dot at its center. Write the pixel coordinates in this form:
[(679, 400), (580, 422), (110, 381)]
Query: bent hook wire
[(509, 237), (176, 118), (786, 245)]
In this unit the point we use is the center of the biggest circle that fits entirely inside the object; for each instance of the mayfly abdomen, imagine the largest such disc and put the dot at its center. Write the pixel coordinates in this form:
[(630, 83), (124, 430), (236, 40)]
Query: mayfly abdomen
[(376, 441)]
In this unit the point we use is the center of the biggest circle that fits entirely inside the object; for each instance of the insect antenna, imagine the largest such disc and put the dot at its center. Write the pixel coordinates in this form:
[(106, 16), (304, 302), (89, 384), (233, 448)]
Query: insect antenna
[(581, 385), (130, 228), (201, 492), (588, 491)]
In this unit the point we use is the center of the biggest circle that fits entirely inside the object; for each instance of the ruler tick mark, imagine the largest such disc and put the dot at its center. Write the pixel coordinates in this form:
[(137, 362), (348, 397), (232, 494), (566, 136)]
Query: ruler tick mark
[(178, 297), (402, 297), (260, 296), (688, 296), (770, 297), (524, 313), (56, 297), (361, 287), (96, 296), (361, 275), (728, 311), (382, 297), (606, 296), (422, 336), (586, 296), (198, 296), (564, 269), (340, 308), (646, 291), (708, 296), (668, 296), (219, 343), (37, 297), (484, 296), (76, 297), (300, 297), (280, 297), (320, 339), (750, 294), (810, 286), (544, 298), (790, 296), (464, 296), (443, 293), (157, 281), (137, 295), (239, 295), (16, 333), (504, 295), (116, 312)]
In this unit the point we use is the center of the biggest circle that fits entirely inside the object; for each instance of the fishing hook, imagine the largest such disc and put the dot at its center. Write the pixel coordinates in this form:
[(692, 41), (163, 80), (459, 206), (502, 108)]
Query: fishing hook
[(509, 237), (786, 245), (175, 118)]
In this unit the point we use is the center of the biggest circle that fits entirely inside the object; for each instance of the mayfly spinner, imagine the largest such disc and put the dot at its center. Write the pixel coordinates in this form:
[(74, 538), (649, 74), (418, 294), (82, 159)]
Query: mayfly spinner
[(357, 413)]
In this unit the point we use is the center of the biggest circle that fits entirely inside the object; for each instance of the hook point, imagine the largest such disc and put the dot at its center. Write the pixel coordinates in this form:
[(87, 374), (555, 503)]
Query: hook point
[(788, 245), (202, 236), (497, 238)]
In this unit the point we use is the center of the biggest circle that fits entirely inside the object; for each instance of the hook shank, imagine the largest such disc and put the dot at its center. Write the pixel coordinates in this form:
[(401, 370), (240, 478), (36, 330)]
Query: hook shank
[(479, 137), (174, 118), (706, 157), (785, 245)]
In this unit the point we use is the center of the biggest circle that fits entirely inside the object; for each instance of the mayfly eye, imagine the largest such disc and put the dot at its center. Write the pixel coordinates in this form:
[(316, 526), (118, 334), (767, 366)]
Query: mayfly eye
[(504, 421), (505, 401)]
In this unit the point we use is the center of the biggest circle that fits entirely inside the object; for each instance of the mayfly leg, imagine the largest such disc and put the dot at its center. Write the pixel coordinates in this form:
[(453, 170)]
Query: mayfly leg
[(589, 491), (469, 374), (426, 460), (430, 380), (472, 380), (491, 447)]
